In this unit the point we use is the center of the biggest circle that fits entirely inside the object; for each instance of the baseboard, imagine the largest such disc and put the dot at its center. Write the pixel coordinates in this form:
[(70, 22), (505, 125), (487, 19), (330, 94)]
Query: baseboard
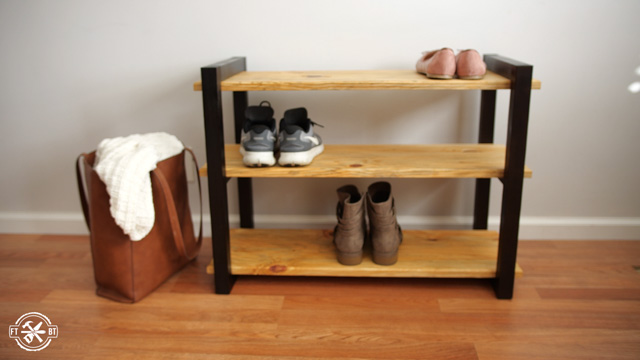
[(531, 227), (42, 223)]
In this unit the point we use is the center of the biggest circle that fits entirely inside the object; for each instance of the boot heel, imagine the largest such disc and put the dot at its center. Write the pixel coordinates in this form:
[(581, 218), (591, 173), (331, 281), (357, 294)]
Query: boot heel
[(354, 258), (385, 258)]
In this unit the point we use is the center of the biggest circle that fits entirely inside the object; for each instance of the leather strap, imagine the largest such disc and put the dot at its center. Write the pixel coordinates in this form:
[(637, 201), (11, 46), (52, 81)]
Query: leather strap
[(173, 214), (81, 190), (197, 168)]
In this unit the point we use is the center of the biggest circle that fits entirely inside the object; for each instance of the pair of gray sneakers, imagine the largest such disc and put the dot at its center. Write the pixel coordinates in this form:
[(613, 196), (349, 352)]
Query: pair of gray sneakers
[(350, 233), (296, 143)]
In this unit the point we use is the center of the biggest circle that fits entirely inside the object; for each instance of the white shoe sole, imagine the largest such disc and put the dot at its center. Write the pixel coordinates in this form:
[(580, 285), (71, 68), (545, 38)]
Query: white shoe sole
[(301, 158), (257, 158)]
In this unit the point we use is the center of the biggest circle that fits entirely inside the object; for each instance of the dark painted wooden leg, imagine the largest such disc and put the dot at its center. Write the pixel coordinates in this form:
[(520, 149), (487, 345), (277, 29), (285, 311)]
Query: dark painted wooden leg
[(483, 186), (245, 188), (214, 134), (520, 76)]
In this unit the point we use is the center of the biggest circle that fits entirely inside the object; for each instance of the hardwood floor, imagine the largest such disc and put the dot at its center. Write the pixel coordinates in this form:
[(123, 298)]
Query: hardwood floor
[(576, 300)]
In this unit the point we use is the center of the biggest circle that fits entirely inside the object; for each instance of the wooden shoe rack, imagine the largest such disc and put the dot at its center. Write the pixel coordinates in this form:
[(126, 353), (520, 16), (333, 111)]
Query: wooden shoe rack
[(475, 253)]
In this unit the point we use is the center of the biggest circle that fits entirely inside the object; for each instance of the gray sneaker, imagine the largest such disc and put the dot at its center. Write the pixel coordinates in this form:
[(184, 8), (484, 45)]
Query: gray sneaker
[(298, 143), (258, 141)]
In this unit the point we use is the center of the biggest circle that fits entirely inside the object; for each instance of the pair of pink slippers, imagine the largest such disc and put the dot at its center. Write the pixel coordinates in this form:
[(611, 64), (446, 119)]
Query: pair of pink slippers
[(445, 64)]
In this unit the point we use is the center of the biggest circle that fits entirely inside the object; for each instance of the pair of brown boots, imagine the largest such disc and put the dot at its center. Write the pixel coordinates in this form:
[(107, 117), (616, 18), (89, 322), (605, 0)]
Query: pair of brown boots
[(351, 231)]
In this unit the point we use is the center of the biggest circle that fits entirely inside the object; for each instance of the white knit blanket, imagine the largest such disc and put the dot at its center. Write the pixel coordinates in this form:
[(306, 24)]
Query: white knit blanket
[(124, 165)]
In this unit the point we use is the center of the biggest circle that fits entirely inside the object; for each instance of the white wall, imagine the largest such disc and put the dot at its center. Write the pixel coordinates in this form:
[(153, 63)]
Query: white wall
[(75, 72)]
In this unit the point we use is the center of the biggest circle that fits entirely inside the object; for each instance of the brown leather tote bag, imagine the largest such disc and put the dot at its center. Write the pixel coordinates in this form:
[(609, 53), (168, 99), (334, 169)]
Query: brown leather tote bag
[(126, 270)]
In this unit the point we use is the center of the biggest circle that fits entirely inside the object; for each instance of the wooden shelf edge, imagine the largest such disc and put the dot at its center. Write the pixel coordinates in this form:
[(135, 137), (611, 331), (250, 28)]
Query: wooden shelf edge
[(384, 161), (310, 252), (355, 80)]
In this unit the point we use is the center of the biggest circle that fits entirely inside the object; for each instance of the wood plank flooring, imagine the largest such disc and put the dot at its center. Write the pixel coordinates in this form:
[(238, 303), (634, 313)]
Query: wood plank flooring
[(576, 300)]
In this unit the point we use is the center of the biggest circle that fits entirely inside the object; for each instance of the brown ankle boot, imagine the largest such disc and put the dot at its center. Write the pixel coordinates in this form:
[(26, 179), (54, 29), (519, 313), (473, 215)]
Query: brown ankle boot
[(384, 230), (350, 232)]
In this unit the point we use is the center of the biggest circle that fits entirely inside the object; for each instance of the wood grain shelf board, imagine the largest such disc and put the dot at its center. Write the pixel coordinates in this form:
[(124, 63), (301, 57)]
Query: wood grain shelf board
[(384, 161), (355, 80), (310, 252)]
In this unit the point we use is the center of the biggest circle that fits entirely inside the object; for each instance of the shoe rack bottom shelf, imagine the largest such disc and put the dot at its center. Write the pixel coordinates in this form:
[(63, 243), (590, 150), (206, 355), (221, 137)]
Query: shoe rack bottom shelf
[(310, 252)]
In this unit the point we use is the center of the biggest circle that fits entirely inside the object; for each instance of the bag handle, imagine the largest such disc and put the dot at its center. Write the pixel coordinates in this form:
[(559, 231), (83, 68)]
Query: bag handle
[(197, 168), (173, 214), (81, 190)]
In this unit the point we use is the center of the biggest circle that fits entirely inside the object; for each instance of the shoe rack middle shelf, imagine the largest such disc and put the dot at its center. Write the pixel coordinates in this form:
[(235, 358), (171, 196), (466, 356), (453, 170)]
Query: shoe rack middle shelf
[(384, 161)]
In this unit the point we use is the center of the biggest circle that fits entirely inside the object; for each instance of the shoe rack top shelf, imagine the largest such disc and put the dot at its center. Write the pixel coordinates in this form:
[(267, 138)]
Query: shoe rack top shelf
[(355, 80), (384, 161)]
